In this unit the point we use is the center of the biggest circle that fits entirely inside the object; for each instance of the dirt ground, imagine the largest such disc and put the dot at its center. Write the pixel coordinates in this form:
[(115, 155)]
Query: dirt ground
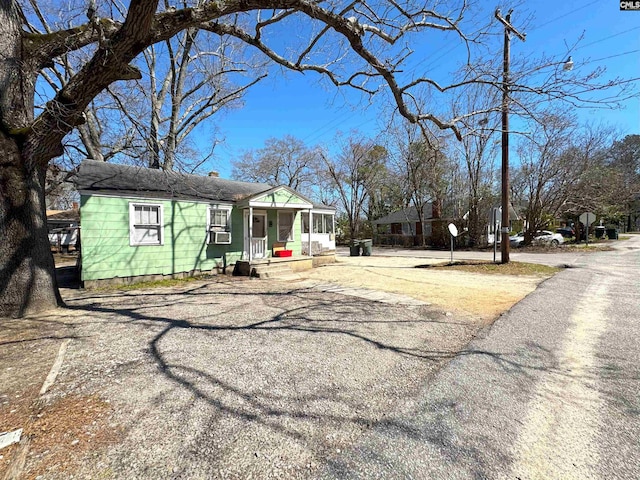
[(217, 378), (480, 295)]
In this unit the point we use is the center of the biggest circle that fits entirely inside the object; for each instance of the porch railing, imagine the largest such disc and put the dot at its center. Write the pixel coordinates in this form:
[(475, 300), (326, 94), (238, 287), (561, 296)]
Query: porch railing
[(258, 247)]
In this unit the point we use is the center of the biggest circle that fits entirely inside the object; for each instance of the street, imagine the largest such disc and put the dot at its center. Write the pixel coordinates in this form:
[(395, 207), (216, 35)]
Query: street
[(552, 257), (549, 391)]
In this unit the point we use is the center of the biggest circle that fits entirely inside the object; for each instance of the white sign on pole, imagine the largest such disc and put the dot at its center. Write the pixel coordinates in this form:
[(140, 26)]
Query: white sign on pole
[(588, 218)]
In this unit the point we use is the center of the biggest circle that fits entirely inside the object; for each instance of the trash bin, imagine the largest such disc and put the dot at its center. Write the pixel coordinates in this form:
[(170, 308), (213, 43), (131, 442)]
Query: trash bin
[(600, 232), (367, 247), (354, 249), (612, 233)]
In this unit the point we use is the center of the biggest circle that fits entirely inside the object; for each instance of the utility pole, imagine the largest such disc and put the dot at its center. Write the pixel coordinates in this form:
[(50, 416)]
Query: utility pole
[(504, 231)]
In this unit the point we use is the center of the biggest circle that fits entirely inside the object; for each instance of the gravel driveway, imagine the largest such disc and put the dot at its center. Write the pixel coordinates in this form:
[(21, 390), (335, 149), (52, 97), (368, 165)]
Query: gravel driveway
[(237, 379)]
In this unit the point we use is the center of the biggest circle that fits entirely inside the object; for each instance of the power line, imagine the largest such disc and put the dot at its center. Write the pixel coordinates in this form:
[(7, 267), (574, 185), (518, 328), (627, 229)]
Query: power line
[(432, 61), (571, 12), (612, 56), (530, 30), (319, 132), (607, 38)]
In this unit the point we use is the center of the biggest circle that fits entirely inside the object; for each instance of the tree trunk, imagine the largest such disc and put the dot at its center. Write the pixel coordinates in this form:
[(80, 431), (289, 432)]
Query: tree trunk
[(476, 229), (27, 272), (439, 232)]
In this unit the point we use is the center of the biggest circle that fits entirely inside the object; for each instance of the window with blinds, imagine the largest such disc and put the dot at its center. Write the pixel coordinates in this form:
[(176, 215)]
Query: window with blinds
[(145, 224)]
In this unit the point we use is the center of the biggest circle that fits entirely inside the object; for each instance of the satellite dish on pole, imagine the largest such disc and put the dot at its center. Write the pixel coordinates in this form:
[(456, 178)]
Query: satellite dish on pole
[(453, 230)]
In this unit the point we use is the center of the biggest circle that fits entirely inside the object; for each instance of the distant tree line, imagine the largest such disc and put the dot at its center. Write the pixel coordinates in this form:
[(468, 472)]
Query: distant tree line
[(560, 169)]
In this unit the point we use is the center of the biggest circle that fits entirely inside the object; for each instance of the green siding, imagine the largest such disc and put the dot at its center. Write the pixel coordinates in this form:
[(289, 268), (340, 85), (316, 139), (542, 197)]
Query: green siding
[(106, 252), (272, 232)]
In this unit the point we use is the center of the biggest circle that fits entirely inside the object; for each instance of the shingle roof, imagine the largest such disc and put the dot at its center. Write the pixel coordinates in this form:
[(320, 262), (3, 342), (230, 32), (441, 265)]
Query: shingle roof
[(405, 215), (72, 215), (125, 180), (322, 206)]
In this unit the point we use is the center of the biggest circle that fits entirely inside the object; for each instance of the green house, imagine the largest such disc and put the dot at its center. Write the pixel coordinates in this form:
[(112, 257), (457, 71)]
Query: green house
[(139, 223)]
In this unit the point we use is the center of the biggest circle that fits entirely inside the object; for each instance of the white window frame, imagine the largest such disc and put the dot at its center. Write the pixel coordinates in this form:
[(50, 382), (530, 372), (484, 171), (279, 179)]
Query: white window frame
[(291, 236), (324, 221), (132, 224), (327, 223), (211, 229)]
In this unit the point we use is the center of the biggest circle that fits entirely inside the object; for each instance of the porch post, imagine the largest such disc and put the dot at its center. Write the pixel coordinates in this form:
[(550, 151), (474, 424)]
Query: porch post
[(310, 230), (250, 234), (333, 225)]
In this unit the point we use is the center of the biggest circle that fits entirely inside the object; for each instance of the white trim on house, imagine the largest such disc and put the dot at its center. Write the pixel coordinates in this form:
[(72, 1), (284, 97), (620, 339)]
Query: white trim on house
[(133, 242), (291, 236), (298, 206), (213, 229), (318, 242), (254, 247)]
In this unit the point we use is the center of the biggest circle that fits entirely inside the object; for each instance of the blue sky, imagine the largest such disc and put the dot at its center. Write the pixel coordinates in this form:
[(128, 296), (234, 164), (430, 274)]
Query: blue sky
[(297, 105)]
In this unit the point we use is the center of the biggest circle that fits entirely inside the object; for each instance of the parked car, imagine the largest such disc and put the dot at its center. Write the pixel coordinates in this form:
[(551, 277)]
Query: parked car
[(566, 232), (541, 237), (516, 240)]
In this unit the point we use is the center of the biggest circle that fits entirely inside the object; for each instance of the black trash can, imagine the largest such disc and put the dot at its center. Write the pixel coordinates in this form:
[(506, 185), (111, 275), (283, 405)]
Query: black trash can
[(367, 247), (612, 233), (354, 249), (600, 232)]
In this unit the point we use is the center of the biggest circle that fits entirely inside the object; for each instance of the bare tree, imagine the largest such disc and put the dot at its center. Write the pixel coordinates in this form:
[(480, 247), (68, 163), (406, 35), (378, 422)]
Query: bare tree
[(186, 80), (183, 92), (477, 152), (623, 159), (362, 45), (285, 161), (412, 171), (421, 162), (354, 172), (609, 186), (556, 165), (377, 184)]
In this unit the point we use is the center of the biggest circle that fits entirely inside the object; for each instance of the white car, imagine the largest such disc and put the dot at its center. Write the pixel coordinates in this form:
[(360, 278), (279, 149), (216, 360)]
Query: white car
[(541, 237)]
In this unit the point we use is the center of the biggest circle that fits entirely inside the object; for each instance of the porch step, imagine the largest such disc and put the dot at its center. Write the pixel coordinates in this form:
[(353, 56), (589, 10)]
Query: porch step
[(277, 270)]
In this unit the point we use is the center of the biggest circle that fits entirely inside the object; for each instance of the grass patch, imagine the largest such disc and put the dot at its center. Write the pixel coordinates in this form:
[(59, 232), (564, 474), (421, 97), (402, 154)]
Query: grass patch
[(488, 267), (592, 247), (167, 282)]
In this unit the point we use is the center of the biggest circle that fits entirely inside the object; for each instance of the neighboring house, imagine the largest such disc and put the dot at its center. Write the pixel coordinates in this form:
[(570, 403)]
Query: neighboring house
[(138, 222), (62, 226), (404, 223), (494, 222)]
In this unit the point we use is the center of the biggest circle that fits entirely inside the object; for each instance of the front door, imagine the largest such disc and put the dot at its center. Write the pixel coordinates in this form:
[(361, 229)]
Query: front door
[(258, 241)]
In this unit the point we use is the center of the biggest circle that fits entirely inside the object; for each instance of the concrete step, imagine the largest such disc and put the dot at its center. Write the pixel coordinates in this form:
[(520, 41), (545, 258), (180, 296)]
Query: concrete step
[(272, 271)]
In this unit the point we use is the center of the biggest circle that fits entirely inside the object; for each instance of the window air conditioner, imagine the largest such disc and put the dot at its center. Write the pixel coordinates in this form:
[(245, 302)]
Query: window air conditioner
[(222, 237)]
